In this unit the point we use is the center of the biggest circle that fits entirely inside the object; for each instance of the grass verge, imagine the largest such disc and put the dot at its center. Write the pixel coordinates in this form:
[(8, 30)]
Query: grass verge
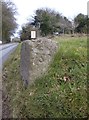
[(61, 93)]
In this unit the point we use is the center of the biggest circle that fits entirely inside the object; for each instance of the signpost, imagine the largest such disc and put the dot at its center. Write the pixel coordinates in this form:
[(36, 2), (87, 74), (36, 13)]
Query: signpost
[(33, 34)]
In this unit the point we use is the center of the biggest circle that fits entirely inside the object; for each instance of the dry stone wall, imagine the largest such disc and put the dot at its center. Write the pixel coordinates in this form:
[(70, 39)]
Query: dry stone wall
[(35, 58)]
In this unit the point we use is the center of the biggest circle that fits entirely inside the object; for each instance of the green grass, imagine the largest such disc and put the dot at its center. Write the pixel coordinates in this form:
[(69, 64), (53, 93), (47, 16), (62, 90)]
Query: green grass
[(61, 92)]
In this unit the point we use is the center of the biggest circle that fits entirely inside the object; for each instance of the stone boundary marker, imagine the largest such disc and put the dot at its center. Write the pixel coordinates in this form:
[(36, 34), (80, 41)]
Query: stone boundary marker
[(35, 58)]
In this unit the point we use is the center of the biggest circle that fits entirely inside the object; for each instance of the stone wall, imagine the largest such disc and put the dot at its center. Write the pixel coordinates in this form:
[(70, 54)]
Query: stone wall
[(35, 58)]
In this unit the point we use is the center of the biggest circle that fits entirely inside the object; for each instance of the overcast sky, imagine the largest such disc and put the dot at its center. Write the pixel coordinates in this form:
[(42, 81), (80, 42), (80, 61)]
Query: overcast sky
[(68, 8)]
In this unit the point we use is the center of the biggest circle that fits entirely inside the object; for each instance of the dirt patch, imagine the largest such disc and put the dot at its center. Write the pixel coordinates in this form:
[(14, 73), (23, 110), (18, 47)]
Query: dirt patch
[(6, 109)]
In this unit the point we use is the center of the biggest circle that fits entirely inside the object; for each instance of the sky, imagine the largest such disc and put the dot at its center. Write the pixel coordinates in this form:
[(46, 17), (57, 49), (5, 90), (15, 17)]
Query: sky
[(68, 8)]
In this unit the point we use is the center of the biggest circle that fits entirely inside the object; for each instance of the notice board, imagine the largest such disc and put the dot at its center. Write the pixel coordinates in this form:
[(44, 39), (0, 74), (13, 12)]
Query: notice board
[(33, 34)]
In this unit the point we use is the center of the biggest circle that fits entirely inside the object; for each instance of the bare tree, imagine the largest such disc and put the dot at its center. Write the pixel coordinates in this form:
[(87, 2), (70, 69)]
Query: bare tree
[(8, 20)]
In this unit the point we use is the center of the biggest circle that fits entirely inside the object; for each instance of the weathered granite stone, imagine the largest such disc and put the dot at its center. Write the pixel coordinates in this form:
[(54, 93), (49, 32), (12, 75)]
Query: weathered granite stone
[(35, 58)]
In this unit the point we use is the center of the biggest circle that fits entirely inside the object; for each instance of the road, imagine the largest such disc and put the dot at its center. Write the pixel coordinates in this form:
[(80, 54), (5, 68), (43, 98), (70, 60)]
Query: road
[(5, 51)]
